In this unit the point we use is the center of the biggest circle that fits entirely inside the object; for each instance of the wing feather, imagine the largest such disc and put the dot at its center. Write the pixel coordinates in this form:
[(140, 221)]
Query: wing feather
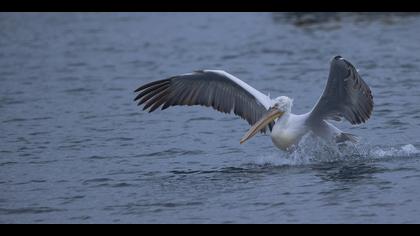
[(212, 88), (346, 95)]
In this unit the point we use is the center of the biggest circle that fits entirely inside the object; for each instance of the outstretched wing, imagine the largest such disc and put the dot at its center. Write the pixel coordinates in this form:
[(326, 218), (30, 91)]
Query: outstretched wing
[(212, 88), (346, 95)]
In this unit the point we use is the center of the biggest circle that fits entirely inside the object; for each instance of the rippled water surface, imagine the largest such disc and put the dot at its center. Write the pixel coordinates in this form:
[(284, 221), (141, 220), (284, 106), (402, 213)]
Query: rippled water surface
[(75, 148)]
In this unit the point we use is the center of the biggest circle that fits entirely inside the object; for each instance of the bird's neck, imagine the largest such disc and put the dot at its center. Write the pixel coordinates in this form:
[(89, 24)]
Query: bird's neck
[(285, 117)]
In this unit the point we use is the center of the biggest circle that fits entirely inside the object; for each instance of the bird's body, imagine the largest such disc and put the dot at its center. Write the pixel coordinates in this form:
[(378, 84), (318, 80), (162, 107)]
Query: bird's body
[(289, 129), (346, 96)]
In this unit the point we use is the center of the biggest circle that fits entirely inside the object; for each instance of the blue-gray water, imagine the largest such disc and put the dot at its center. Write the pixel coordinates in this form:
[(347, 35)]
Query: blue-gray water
[(75, 148)]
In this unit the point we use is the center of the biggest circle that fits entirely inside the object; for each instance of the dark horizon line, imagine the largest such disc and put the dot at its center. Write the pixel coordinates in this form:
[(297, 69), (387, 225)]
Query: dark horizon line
[(206, 6)]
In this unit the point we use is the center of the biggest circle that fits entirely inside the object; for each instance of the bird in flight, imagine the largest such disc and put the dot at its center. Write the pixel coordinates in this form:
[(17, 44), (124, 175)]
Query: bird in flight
[(346, 95)]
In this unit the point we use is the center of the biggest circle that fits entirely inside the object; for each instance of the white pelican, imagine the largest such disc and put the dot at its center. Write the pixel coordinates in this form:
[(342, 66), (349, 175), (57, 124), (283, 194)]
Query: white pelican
[(346, 95)]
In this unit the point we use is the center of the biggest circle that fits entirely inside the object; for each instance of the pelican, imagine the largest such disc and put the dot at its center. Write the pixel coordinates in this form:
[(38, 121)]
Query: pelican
[(346, 96)]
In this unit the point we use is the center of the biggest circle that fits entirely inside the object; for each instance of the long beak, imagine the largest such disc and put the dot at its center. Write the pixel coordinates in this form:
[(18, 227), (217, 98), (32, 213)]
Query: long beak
[(271, 115)]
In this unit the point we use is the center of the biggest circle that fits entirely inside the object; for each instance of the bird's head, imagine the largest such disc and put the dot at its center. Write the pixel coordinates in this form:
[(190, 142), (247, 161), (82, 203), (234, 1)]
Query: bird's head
[(281, 105)]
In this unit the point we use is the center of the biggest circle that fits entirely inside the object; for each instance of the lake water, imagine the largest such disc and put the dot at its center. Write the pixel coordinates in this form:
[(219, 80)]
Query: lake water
[(75, 148)]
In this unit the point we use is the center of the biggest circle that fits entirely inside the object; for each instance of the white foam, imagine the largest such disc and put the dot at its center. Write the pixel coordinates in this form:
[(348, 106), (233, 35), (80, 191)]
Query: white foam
[(410, 149), (310, 150), (314, 150), (404, 151)]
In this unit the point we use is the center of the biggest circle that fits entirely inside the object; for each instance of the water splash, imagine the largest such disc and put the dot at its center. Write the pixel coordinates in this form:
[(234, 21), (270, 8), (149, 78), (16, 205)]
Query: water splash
[(312, 150), (407, 150)]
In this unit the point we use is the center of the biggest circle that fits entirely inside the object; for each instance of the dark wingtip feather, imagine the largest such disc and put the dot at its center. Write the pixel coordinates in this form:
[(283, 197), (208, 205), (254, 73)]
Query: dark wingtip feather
[(137, 97), (151, 89), (158, 100), (152, 93), (151, 84)]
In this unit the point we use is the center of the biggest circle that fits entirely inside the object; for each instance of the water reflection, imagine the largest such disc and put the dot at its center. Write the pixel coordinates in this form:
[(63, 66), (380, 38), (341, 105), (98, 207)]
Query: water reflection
[(310, 19), (348, 172)]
